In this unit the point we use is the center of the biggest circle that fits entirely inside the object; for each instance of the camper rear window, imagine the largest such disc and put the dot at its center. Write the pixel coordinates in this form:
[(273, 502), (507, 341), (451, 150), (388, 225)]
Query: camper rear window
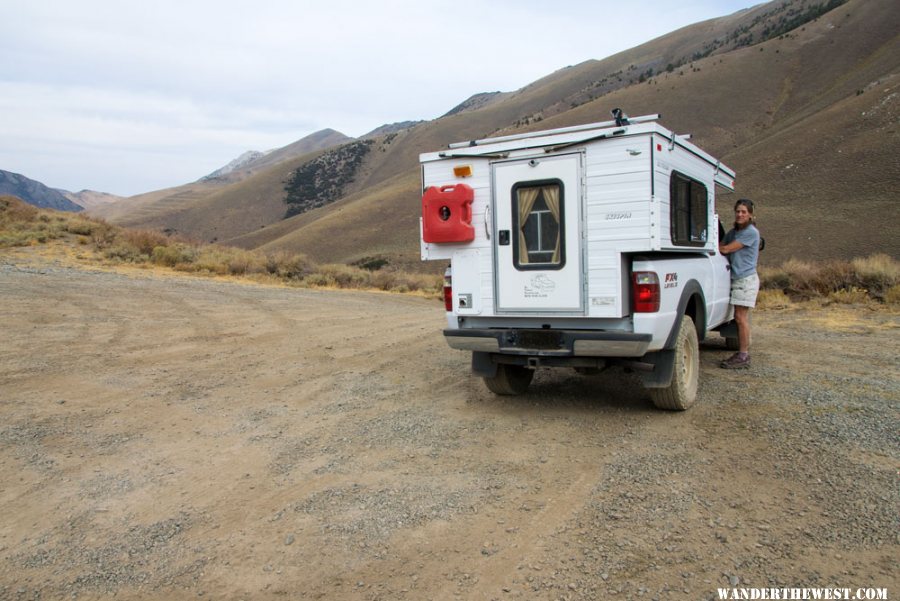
[(690, 210), (538, 225)]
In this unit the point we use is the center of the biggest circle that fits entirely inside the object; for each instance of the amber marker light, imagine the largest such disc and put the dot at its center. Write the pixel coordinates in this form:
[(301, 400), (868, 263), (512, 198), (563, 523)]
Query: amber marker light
[(462, 170)]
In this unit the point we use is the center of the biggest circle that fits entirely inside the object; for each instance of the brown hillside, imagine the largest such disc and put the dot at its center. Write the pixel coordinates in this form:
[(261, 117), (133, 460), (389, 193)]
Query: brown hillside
[(808, 119), (327, 138), (786, 114), (226, 206), (142, 209)]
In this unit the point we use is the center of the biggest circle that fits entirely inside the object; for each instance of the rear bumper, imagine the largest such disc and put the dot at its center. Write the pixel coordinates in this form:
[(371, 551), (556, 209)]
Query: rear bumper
[(550, 343)]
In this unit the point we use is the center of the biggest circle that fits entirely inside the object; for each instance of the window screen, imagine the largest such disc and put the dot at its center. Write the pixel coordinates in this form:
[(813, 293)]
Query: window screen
[(690, 211), (538, 225)]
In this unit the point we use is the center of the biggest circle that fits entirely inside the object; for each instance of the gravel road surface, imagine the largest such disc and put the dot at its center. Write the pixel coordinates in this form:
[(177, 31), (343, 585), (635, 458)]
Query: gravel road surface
[(174, 437)]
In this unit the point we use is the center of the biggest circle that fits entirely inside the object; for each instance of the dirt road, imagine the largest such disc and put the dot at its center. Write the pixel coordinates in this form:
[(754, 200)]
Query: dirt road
[(171, 437)]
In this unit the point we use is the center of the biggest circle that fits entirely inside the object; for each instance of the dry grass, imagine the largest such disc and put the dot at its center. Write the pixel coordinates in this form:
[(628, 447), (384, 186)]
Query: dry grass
[(873, 279), (773, 299), (856, 281), (23, 225)]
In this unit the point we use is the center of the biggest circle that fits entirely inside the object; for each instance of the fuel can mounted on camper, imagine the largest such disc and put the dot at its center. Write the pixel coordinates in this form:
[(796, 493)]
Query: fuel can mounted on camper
[(447, 214)]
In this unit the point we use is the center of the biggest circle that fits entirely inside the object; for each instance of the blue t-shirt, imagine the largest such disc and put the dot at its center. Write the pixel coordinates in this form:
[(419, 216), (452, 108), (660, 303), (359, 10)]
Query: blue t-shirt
[(743, 261)]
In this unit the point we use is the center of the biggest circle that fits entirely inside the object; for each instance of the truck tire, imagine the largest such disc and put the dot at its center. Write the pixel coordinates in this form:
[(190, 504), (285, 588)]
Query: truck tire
[(682, 392), (510, 379), (732, 344)]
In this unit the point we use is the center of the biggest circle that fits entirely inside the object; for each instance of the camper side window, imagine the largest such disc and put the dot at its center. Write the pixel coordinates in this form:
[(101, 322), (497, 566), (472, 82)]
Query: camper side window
[(538, 218), (689, 201)]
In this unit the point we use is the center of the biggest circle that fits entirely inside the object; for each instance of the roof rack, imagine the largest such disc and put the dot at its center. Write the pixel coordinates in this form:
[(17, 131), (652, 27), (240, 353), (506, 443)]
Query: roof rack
[(561, 130)]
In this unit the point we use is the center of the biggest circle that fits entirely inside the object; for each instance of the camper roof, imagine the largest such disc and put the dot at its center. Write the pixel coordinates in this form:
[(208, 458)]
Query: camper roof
[(553, 140)]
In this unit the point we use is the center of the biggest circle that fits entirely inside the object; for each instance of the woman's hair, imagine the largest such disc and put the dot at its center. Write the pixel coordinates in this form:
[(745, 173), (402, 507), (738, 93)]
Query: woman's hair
[(747, 203)]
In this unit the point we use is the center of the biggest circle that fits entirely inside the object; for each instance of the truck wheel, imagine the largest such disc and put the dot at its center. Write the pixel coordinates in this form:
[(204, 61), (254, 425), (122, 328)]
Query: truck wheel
[(510, 379), (682, 392), (732, 344)]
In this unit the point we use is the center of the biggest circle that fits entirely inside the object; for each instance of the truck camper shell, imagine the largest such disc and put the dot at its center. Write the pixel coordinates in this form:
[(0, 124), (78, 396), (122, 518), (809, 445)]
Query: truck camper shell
[(546, 231)]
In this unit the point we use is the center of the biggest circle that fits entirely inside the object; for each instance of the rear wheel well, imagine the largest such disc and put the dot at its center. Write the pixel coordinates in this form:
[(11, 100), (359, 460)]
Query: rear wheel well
[(692, 304), (696, 310)]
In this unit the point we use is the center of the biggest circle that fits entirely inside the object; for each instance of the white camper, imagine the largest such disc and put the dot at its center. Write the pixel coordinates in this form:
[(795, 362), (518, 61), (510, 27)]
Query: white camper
[(580, 247)]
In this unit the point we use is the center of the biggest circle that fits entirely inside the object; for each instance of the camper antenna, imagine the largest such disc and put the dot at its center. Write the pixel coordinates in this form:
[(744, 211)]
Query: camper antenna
[(620, 117)]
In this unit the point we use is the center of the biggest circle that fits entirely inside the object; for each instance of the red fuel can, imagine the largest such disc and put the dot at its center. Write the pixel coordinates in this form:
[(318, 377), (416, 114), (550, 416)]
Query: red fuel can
[(447, 214)]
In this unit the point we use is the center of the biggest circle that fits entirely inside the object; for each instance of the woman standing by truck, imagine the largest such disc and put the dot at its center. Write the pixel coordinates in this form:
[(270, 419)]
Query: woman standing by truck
[(741, 245)]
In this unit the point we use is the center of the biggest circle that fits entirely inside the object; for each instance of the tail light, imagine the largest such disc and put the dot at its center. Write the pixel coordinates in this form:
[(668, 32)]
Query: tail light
[(448, 291), (645, 292)]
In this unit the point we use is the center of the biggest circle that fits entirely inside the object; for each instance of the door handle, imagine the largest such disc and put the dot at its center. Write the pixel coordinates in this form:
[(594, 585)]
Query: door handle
[(503, 237)]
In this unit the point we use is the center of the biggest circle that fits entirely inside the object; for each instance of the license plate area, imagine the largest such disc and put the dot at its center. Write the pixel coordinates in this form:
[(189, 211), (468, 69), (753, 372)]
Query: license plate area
[(539, 339)]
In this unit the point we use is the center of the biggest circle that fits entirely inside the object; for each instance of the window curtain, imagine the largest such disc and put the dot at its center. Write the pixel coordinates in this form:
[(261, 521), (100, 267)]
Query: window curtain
[(527, 198), (551, 197)]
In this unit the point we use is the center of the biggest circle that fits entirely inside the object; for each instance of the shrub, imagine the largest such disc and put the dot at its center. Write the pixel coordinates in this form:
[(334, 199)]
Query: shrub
[(371, 263), (320, 280), (877, 273), (103, 235), (144, 240), (774, 278), (81, 227), (223, 260), (873, 275), (346, 276), (125, 252), (773, 299), (849, 296), (13, 209), (211, 259), (241, 262), (892, 295), (285, 264), (173, 255), (398, 281)]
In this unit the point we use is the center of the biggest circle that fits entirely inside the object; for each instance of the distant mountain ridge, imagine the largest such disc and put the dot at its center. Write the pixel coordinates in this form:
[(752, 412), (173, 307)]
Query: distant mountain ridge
[(391, 128), (35, 193), (89, 199), (476, 101), (241, 161), (254, 161)]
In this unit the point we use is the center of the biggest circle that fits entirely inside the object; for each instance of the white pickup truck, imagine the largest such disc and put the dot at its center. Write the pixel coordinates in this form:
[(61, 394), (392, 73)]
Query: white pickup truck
[(582, 247)]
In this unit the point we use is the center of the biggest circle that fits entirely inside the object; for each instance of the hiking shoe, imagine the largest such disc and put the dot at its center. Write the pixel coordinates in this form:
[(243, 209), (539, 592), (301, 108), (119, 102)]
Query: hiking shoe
[(736, 361)]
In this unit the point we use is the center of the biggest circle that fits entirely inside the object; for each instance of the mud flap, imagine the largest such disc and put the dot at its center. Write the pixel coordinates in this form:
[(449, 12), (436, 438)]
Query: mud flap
[(728, 330), (482, 366), (663, 367)]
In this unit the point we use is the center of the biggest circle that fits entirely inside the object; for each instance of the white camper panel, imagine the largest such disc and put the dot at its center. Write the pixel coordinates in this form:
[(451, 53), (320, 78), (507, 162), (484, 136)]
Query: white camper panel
[(675, 158), (618, 217), (473, 280), (440, 173)]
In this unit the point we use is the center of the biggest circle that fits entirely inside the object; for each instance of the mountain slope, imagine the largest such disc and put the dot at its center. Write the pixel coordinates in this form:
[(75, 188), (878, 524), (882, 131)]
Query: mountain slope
[(34, 192), (808, 120), (191, 208), (89, 199), (807, 117)]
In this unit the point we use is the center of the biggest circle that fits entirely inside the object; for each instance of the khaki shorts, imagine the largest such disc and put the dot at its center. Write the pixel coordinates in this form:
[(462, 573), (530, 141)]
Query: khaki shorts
[(744, 291)]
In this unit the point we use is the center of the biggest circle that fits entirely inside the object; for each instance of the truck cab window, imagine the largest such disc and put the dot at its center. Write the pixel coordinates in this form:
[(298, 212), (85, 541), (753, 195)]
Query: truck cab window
[(689, 211), (538, 223)]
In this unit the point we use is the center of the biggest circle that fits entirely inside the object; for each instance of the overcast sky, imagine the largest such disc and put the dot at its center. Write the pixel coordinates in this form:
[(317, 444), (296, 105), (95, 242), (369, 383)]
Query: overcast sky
[(111, 96)]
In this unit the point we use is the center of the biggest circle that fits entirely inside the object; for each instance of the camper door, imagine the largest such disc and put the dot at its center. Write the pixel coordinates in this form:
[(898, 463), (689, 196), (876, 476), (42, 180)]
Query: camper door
[(537, 238)]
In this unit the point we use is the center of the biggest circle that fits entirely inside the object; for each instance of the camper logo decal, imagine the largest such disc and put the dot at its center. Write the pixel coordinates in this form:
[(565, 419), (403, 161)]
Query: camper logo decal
[(540, 286), (671, 280)]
